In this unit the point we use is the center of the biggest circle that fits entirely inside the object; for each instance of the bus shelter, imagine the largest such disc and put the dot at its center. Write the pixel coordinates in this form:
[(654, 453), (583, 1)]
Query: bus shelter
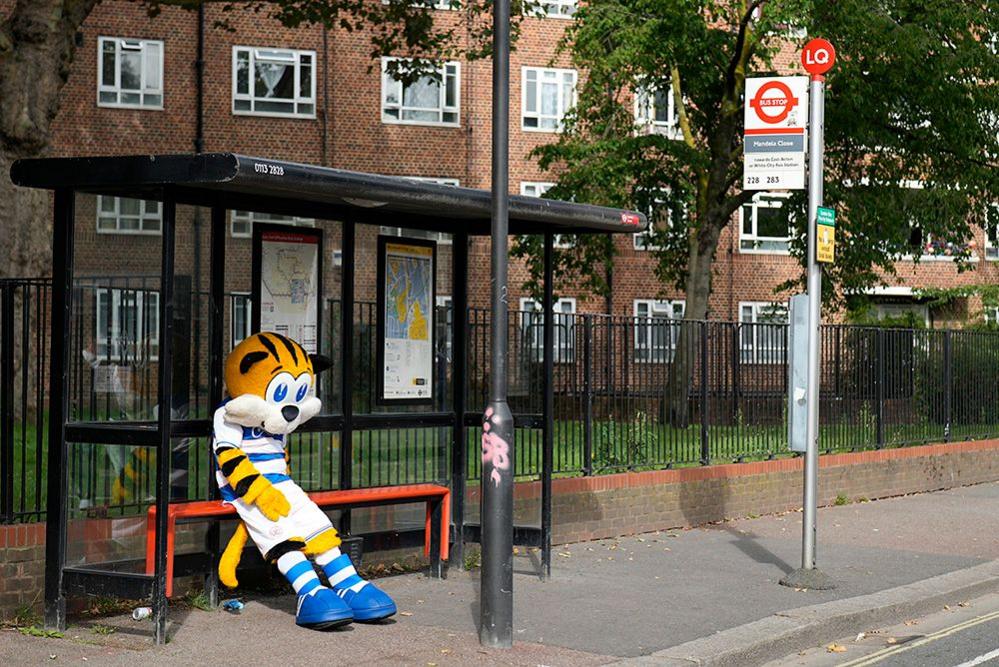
[(222, 184)]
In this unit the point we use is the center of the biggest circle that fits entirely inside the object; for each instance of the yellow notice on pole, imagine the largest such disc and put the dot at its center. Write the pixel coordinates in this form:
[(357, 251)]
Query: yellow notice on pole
[(825, 247)]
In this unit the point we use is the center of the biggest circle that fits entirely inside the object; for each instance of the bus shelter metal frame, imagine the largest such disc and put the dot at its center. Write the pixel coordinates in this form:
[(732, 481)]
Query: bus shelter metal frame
[(223, 182)]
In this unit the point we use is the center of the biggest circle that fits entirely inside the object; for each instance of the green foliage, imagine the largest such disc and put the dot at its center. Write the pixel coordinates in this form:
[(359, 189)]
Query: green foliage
[(841, 500), (105, 630), (35, 631), (903, 104), (623, 445), (473, 558), (24, 616), (912, 98), (198, 600)]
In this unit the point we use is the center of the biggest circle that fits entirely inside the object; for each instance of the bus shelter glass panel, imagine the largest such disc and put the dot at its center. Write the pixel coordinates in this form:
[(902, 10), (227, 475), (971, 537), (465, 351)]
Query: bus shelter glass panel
[(280, 267), (366, 399), (110, 489)]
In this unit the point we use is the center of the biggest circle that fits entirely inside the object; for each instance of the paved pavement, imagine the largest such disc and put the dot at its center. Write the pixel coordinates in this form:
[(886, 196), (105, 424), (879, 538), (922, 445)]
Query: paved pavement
[(606, 600), (964, 634)]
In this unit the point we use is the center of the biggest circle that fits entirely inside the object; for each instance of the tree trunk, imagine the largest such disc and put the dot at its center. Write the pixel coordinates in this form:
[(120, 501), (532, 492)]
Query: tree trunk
[(698, 290), (36, 50)]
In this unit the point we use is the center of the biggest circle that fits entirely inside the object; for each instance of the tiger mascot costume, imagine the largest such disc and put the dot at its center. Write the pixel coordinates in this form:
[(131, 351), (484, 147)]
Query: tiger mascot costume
[(271, 386)]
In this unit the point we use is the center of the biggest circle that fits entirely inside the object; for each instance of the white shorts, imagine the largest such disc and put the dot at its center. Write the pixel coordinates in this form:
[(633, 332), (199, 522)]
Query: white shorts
[(305, 520)]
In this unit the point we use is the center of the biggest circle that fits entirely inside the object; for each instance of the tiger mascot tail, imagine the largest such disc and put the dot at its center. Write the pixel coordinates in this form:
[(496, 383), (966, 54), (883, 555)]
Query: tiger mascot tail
[(270, 381)]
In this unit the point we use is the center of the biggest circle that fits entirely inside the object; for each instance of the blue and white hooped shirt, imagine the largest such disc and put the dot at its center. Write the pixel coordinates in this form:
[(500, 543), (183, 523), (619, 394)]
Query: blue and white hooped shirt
[(265, 451)]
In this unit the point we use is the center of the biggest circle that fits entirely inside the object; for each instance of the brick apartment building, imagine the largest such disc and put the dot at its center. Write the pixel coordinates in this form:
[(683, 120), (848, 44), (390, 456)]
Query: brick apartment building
[(316, 96)]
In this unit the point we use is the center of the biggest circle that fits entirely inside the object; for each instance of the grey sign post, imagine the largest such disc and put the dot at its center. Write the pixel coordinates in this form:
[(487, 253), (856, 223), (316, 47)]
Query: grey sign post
[(817, 58)]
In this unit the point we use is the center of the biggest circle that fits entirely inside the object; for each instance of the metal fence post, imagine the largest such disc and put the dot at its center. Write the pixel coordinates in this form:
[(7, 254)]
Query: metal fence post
[(587, 394), (948, 383), (705, 442), (735, 373), (880, 386), (7, 400)]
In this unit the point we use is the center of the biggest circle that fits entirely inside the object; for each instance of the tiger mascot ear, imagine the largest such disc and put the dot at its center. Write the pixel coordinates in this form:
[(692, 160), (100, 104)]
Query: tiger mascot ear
[(320, 363)]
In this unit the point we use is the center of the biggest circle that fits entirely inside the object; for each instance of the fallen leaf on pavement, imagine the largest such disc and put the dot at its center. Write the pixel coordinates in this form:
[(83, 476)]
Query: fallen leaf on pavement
[(835, 648), (891, 640), (565, 554), (946, 607), (405, 613), (860, 636), (912, 622), (964, 604)]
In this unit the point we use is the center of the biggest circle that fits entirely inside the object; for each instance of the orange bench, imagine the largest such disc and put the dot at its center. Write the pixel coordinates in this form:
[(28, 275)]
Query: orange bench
[(437, 498)]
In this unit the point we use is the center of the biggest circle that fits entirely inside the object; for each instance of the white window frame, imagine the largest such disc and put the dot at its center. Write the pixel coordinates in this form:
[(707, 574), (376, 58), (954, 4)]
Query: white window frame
[(445, 301), (926, 236), (448, 69), (640, 240), (275, 54), (235, 300), (991, 314), (645, 114), (538, 189), (563, 333), (557, 9), (563, 104), (992, 224), (145, 90), (121, 349), (667, 314), (431, 4), (749, 243), (249, 218), (759, 345), (883, 310), (143, 217)]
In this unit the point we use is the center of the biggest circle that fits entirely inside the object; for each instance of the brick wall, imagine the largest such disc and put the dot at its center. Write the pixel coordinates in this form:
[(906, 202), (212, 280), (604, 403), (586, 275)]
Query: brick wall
[(347, 132), (583, 508), (587, 508)]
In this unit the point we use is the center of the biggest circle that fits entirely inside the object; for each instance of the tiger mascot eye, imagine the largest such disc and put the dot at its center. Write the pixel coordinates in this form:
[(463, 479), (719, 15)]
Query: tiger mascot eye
[(271, 386)]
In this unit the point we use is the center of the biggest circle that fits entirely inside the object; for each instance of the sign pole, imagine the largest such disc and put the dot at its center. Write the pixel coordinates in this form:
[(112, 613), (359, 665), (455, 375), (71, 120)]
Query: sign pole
[(808, 576), (496, 589)]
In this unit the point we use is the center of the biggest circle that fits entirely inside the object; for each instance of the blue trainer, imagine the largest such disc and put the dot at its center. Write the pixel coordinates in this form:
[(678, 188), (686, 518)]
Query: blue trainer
[(368, 604), (322, 610)]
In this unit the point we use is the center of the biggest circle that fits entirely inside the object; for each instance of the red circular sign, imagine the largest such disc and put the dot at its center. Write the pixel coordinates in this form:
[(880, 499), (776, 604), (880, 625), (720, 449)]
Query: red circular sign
[(770, 107), (818, 56)]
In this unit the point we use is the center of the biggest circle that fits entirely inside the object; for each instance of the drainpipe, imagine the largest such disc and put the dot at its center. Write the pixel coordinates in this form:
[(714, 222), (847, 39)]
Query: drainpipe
[(326, 97), (199, 147)]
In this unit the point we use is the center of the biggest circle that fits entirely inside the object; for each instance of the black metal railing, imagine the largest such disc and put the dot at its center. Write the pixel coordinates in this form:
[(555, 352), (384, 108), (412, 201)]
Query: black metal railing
[(630, 393)]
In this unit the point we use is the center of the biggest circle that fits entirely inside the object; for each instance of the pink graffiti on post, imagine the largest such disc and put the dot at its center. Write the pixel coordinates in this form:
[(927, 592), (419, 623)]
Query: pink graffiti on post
[(495, 449)]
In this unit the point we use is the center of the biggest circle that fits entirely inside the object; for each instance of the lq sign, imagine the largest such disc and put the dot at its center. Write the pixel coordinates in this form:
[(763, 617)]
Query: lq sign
[(818, 57)]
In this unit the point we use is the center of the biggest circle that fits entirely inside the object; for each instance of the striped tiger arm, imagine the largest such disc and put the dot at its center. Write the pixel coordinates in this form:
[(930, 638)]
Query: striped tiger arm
[(249, 485), (244, 478)]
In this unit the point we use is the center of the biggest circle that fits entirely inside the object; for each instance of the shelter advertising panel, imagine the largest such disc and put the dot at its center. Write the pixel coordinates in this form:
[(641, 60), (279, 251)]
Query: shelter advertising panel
[(407, 271), (287, 282)]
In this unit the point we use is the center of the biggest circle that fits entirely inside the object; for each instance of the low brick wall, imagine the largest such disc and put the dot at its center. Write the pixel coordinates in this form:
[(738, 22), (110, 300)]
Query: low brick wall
[(586, 508)]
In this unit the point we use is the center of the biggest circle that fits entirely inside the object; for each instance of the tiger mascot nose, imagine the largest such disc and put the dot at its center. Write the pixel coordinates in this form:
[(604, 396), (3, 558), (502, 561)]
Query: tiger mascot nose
[(290, 413)]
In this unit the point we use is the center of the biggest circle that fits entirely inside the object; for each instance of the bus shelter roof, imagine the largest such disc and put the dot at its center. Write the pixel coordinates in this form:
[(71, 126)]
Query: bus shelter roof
[(247, 183)]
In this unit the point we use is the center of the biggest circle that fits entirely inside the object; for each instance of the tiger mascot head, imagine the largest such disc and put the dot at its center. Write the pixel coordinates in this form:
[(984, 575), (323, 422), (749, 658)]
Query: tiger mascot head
[(271, 380)]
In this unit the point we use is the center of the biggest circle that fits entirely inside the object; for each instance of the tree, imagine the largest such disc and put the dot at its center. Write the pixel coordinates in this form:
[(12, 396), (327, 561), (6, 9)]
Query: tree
[(37, 45), (912, 99)]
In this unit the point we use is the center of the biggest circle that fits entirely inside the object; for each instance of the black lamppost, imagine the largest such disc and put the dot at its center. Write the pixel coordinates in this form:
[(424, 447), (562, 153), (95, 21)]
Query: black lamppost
[(496, 609)]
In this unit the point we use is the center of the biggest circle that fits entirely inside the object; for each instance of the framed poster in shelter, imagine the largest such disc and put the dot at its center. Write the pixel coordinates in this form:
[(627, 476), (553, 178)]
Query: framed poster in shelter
[(287, 282), (407, 270)]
